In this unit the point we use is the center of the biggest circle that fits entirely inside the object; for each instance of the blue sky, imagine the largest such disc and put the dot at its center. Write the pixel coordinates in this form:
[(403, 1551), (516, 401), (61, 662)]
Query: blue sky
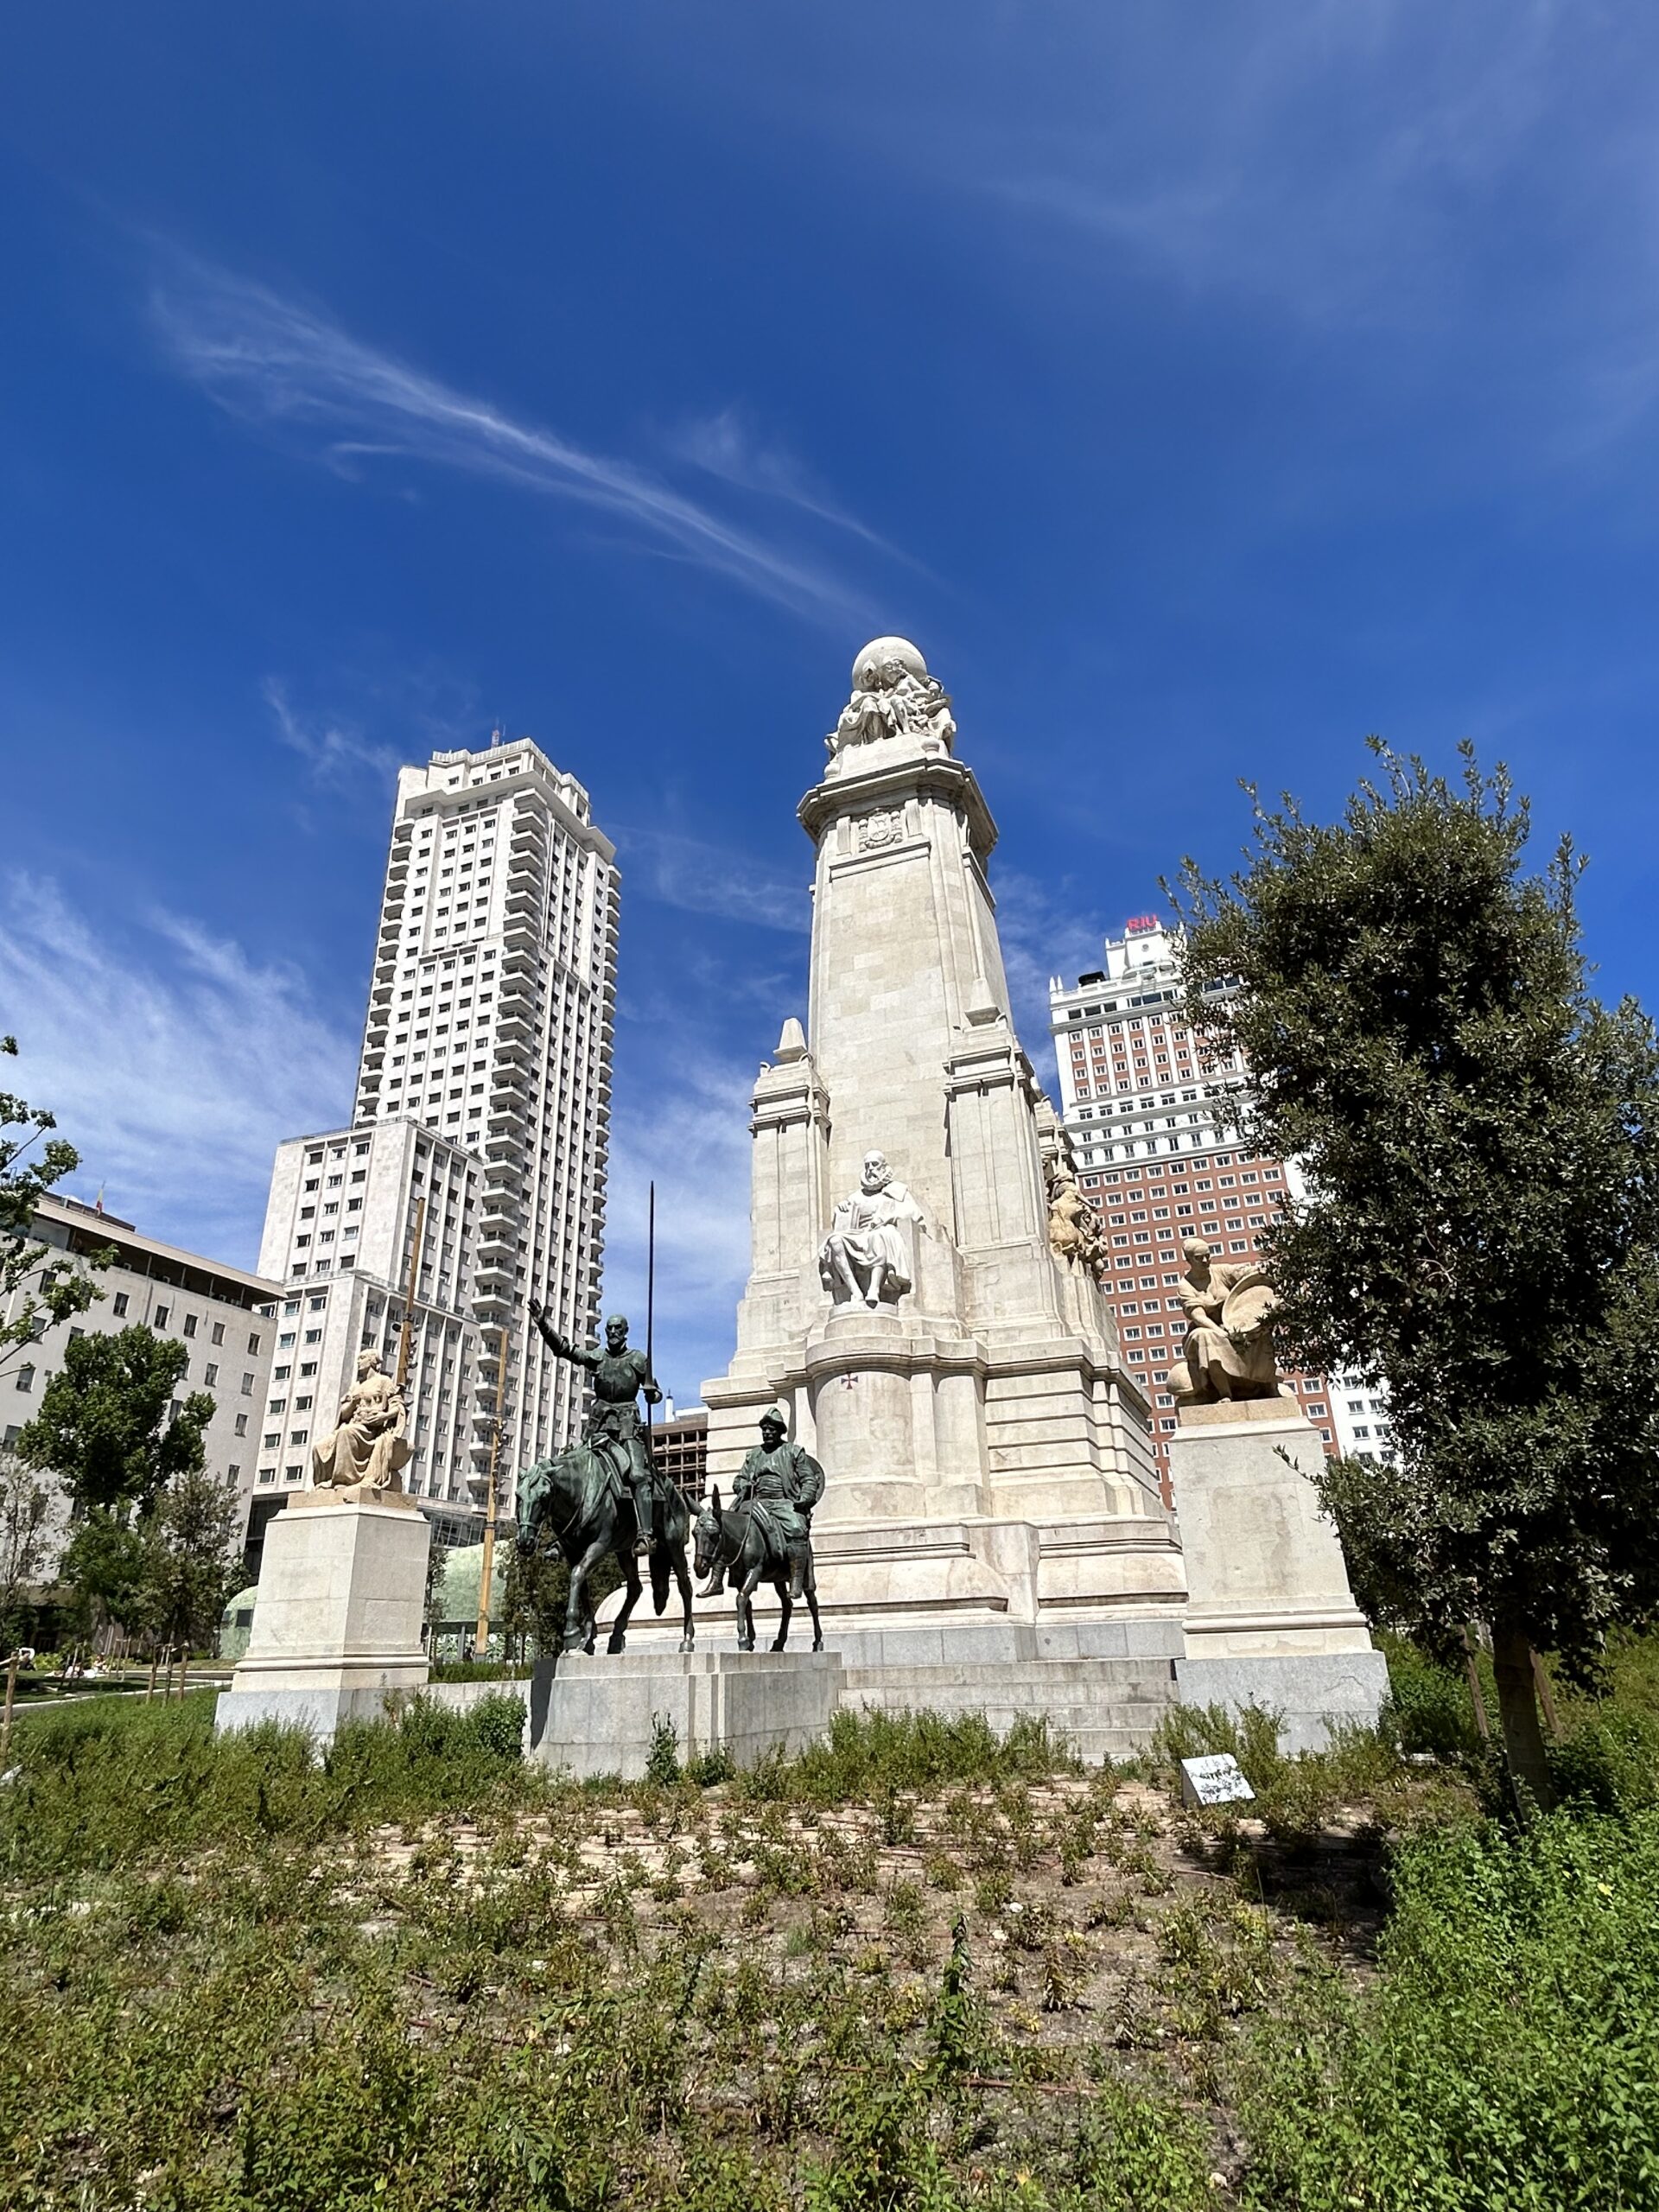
[(1201, 387)]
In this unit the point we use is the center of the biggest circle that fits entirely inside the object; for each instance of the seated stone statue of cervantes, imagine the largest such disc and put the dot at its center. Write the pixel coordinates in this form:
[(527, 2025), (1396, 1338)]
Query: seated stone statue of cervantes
[(864, 1256)]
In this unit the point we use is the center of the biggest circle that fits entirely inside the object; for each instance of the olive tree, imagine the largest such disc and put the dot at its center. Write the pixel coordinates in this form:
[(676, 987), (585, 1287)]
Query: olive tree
[(1480, 1139)]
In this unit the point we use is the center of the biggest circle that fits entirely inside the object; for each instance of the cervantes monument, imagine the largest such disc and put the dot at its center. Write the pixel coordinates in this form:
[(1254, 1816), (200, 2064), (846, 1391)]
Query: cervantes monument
[(992, 1501)]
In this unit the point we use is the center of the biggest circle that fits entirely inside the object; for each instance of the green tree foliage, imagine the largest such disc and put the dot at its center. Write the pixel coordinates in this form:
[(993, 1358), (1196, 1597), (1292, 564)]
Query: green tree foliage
[(105, 1426), (1478, 1135), (38, 1285), (106, 1569), (191, 1561), (25, 1540), (535, 1591)]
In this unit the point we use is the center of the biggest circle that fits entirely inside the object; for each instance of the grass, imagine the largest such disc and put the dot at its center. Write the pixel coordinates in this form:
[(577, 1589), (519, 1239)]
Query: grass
[(917, 1969)]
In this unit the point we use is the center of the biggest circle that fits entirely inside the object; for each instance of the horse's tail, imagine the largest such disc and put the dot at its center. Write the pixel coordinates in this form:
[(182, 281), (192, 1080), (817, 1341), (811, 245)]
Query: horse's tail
[(675, 1519)]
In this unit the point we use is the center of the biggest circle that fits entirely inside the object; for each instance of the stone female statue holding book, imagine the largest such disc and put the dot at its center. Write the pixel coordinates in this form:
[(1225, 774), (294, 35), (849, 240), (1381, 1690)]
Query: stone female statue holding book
[(369, 1443)]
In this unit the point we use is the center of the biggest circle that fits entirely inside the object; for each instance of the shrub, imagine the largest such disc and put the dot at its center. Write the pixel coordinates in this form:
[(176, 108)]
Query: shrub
[(110, 1783), (662, 1760), (873, 1754), (1428, 1707), (1609, 1764), (1507, 2055)]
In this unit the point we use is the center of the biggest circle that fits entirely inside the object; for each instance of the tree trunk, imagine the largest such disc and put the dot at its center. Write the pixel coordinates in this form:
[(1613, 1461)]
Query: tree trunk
[(1517, 1713)]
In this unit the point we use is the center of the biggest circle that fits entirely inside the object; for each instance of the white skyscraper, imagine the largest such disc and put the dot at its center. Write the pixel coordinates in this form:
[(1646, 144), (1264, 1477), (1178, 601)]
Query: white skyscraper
[(491, 1015)]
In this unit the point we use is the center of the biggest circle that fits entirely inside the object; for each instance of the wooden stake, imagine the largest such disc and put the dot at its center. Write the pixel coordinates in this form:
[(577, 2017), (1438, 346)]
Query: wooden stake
[(184, 1669), (1475, 1690), (409, 1299), (5, 1726), (488, 1570), (150, 1689), (1546, 1699)]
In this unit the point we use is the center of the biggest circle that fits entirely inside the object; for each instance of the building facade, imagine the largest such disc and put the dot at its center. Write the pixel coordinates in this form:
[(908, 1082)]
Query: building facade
[(1148, 1124), (224, 1316), (484, 1086), (347, 1213), (679, 1450)]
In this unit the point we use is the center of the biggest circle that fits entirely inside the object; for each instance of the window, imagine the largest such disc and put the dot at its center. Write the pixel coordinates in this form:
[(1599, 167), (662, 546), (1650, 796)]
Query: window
[(121, 1303), (218, 1332), (210, 1373), (253, 1340), (189, 1325), (235, 1472), (247, 1386), (241, 1424), (24, 1379), (161, 1312)]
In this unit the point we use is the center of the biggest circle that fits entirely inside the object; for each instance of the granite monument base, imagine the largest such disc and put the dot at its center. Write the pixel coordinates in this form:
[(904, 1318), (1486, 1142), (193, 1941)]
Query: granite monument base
[(600, 1715), (1271, 1619), (337, 1619)]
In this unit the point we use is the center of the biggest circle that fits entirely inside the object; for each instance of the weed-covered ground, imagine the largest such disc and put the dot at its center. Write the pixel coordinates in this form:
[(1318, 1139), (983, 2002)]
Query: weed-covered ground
[(915, 1968)]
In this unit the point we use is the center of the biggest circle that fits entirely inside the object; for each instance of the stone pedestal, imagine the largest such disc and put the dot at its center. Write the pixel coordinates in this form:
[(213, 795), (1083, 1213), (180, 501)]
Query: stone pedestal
[(1271, 1619), (337, 1620), (598, 1715)]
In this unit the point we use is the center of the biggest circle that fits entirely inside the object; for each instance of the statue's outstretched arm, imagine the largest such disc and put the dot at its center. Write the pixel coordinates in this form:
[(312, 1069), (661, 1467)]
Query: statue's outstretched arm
[(561, 1347)]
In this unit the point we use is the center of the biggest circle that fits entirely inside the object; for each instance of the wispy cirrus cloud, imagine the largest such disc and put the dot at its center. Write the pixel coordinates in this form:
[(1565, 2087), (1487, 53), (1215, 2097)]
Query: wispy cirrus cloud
[(333, 749), (727, 444), (704, 879), (173, 1063), (271, 361)]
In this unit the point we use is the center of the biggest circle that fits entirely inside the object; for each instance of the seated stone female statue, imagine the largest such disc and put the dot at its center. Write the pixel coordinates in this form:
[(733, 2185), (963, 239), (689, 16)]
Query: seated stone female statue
[(370, 1443)]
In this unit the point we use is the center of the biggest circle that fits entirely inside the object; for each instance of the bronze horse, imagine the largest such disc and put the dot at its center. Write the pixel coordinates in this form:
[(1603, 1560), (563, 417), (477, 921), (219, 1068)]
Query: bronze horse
[(733, 1537), (577, 1496)]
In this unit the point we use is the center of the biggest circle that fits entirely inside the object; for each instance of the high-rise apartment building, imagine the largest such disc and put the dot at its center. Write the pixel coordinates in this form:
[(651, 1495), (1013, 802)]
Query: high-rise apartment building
[(1153, 1154), (483, 1087)]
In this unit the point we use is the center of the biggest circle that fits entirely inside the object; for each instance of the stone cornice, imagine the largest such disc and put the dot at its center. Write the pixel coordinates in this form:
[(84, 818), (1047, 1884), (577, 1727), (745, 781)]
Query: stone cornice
[(941, 778)]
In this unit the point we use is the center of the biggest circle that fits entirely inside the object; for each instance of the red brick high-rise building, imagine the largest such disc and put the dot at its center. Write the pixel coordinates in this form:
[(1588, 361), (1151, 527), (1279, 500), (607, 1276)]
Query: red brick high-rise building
[(1142, 1109)]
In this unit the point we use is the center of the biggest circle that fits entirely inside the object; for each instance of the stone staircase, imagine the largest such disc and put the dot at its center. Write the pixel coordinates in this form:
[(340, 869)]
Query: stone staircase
[(1105, 1708)]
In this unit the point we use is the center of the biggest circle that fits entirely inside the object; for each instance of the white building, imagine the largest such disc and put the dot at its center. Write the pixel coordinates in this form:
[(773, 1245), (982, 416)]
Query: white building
[(345, 1212), (1132, 1086), (1361, 1414), (221, 1314), (491, 1008)]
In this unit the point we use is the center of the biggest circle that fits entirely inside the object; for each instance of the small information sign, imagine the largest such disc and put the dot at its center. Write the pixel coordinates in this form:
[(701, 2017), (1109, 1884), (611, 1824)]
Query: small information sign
[(1214, 1781)]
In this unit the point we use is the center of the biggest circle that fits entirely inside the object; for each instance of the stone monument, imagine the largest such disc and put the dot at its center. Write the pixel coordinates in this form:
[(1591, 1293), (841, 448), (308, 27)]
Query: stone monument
[(337, 1617), (992, 1502), (1271, 1618)]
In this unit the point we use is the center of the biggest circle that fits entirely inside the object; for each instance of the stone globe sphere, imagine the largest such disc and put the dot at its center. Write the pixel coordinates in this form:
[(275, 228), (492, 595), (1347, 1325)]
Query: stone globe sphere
[(868, 666)]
